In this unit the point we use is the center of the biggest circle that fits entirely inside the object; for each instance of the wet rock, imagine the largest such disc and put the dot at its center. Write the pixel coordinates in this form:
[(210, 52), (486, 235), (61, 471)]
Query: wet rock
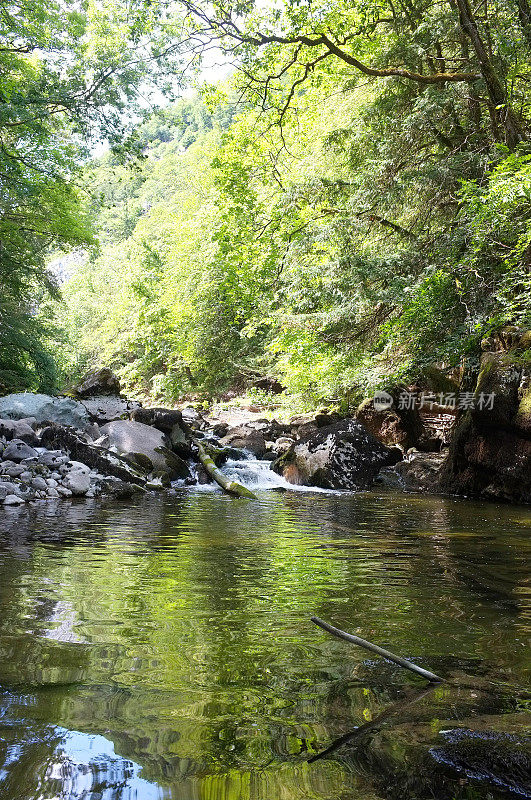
[(220, 429), (17, 450), (499, 759), (101, 382), (253, 436), (420, 472), (340, 456), (121, 490), (245, 439), (282, 444), (44, 408), (388, 426)]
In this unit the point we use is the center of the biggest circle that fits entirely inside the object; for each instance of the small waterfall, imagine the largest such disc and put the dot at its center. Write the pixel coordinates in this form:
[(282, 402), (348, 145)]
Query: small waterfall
[(257, 475)]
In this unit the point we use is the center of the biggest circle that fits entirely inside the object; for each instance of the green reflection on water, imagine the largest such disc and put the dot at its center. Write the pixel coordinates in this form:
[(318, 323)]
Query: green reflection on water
[(178, 629)]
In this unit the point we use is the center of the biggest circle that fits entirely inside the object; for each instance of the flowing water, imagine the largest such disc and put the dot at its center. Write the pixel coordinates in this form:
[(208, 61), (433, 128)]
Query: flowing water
[(163, 649)]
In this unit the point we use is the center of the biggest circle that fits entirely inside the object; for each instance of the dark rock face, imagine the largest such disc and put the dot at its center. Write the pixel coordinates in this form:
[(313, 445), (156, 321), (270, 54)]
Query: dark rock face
[(102, 382), (252, 436), (391, 426), (164, 419), (340, 456), (490, 455), (501, 760), (420, 472)]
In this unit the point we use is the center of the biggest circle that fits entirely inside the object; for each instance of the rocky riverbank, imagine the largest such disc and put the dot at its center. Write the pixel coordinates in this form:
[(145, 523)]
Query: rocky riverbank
[(99, 442)]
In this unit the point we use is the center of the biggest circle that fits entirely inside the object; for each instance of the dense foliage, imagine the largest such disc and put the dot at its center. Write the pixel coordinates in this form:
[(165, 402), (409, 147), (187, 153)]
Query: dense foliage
[(350, 208)]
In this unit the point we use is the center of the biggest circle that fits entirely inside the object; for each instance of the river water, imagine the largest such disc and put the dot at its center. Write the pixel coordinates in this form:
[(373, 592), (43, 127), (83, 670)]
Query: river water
[(162, 648)]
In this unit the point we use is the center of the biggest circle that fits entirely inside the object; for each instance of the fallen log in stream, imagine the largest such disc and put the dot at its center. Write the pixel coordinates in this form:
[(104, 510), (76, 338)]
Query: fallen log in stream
[(233, 487)]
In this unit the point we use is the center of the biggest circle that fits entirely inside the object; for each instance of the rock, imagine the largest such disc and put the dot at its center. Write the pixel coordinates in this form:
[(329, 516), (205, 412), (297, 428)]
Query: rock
[(77, 478), (44, 408), (96, 457), (252, 435), (499, 759), (101, 382), (4, 491), (282, 445), (164, 419), (490, 453), (52, 458), (17, 450), (180, 443), (63, 491), (18, 429), (122, 490), (340, 456), (387, 425), (13, 500), (220, 429), (420, 472), (130, 438), (11, 469), (250, 440), (52, 492), (107, 409), (269, 385)]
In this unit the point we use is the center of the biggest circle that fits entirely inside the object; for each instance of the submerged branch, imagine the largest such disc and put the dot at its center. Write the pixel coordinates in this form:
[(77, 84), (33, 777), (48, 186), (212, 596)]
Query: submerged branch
[(374, 648)]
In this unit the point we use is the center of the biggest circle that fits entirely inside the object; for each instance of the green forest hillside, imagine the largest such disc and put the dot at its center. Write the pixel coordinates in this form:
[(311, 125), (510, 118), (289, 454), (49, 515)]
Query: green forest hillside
[(349, 209)]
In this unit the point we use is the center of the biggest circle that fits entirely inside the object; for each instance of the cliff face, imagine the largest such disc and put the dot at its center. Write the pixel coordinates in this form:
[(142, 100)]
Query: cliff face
[(490, 453)]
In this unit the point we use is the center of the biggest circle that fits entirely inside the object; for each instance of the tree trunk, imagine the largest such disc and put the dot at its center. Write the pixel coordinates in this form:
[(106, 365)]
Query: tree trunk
[(506, 117), (524, 14), (216, 474)]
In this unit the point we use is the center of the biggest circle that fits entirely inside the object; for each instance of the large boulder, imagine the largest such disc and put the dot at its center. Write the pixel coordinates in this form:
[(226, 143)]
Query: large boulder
[(45, 408), (490, 454), (107, 409), (57, 438), (101, 382), (340, 456), (419, 472), (132, 439)]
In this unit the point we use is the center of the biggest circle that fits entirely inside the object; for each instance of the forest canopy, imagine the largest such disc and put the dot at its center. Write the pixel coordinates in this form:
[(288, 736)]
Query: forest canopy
[(348, 209)]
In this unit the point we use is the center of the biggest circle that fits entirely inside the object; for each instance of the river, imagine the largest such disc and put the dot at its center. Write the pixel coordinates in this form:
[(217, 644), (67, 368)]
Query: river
[(162, 648)]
